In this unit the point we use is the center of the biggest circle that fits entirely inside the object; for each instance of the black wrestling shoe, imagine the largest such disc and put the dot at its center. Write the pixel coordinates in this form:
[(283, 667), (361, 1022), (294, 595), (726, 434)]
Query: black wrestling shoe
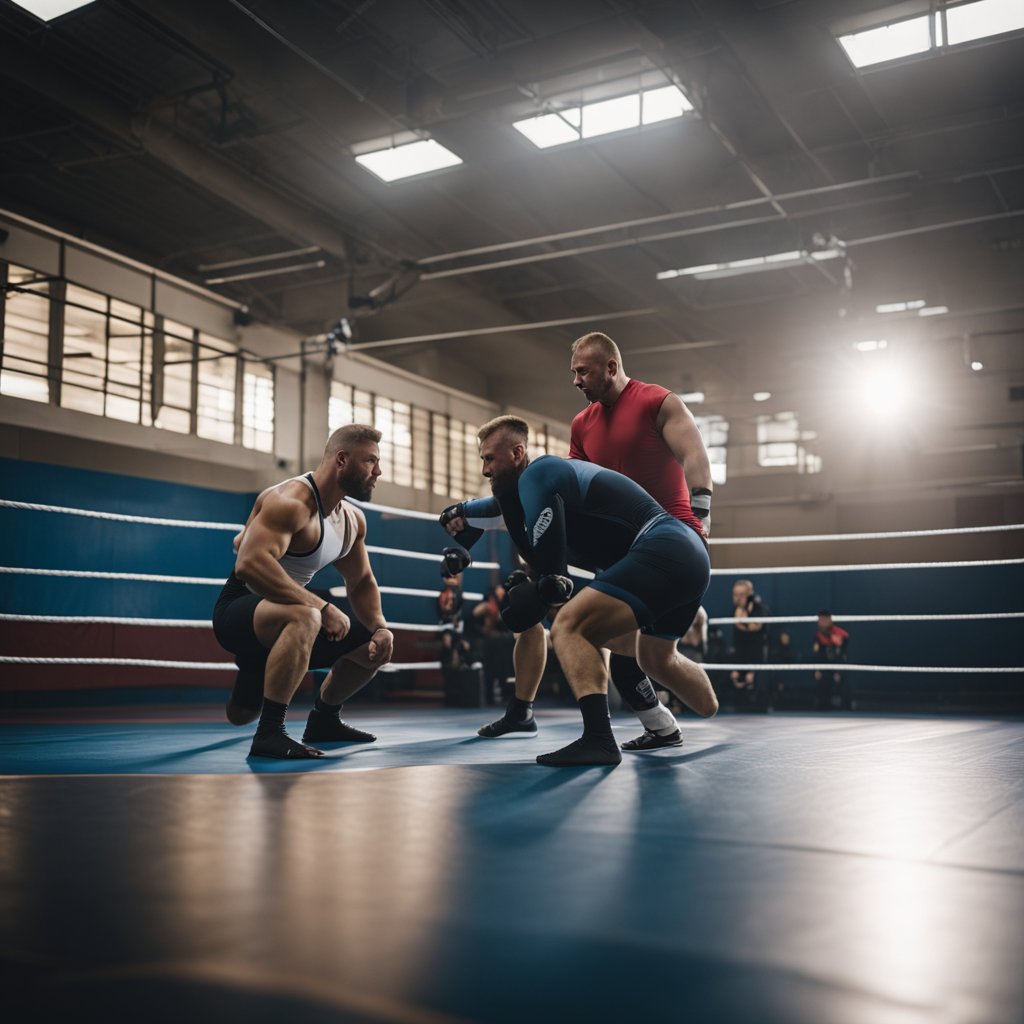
[(587, 750), (503, 726), (654, 741), (321, 728), (281, 745)]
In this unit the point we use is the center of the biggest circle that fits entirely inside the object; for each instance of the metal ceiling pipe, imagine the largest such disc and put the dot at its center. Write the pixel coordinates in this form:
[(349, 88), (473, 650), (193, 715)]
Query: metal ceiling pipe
[(161, 141)]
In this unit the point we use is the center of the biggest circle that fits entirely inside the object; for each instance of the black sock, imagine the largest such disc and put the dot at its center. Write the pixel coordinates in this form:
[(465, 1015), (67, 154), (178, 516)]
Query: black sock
[(334, 710), (519, 710), (271, 718), (596, 719)]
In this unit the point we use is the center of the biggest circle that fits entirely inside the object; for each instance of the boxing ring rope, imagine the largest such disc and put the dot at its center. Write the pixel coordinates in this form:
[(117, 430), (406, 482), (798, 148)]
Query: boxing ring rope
[(418, 627)]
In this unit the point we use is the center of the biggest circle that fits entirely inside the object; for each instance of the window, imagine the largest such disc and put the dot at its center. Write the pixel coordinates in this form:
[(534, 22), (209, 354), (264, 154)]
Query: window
[(571, 124), (778, 443), (394, 421), (258, 407), (888, 42), (715, 431), (26, 331), (215, 411), (967, 22)]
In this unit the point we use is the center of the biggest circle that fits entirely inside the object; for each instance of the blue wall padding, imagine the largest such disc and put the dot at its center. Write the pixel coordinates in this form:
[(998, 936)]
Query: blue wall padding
[(47, 540)]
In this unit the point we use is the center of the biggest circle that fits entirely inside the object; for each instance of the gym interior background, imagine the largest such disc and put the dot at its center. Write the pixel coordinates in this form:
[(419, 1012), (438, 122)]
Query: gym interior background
[(806, 218)]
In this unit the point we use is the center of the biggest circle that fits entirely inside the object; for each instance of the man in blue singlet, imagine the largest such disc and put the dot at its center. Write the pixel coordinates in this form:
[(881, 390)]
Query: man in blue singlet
[(277, 628), (648, 566)]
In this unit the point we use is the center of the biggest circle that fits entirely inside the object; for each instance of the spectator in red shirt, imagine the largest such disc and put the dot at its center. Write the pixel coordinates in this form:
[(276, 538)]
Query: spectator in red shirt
[(830, 645)]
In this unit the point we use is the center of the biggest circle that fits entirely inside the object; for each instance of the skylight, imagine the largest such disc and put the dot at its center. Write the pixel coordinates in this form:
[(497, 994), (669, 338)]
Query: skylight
[(900, 307), (874, 345), (887, 42), (733, 268), (604, 117), (406, 161), (983, 18), (47, 10)]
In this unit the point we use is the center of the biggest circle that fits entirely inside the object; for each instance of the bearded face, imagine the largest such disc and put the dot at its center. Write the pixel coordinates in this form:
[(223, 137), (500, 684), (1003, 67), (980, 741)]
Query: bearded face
[(358, 476)]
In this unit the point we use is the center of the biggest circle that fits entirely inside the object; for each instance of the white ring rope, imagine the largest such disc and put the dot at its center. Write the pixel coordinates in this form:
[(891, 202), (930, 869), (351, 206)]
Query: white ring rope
[(202, 580), (412, 514), (866, 566), (828, 666), (113, 620), (413, 592), (415, 627), (836, 617), (209, 666)]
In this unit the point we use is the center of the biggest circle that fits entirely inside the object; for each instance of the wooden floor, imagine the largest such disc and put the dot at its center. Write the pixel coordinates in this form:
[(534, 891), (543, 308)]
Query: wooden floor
[(800, 869)]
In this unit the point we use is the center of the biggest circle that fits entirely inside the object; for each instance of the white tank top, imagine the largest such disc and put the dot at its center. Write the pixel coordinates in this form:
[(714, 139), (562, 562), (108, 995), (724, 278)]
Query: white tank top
[(338, 532)]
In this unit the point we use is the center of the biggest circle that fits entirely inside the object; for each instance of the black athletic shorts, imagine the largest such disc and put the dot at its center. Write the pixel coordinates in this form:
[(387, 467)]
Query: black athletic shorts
[(232, 625)]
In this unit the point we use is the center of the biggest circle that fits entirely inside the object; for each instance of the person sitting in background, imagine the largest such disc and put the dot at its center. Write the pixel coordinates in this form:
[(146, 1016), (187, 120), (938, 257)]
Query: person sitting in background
[(749, 643), (830, 645), (454, 646)]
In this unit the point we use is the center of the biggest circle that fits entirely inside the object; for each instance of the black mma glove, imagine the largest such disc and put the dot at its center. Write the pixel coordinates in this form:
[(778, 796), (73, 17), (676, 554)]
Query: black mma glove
[(700, 502), (554, 589), (523, 607), (456, 511), (455, 559), (514, 578)]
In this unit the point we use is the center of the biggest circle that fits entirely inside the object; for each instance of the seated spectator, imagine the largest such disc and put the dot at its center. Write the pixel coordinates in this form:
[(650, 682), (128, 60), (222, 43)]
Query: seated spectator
[(830, 643), (454, 646), (749, 643)]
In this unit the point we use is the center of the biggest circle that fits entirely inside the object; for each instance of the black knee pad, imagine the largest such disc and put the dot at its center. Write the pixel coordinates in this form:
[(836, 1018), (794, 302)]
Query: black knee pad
[(634, 687)]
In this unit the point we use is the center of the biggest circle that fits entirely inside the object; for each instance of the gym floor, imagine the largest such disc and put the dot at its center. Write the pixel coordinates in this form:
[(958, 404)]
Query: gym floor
[(791, 867)]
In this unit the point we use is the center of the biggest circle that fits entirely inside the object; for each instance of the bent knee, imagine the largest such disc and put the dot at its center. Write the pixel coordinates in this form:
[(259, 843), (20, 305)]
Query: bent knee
[(304, 621), (709, 708)]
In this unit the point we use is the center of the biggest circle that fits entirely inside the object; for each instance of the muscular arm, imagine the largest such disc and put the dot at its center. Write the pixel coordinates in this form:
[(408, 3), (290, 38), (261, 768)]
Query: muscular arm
[(265, 541), (679, 431), (360, 583)]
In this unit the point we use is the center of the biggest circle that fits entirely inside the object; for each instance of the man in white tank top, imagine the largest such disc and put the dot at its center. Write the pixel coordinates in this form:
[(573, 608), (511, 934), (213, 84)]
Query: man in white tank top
[(276, 627)]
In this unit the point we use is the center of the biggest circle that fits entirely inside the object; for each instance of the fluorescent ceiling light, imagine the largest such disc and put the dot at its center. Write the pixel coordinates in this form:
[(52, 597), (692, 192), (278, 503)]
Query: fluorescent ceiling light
[(406, 161), (871, 346), (984, 18), (665, 103), (611, 116), (885, 391), (692, 397), (47, 10), (551, 129), (762, 396), (976, 365), (900, 307), (933, 311), (887, 42), (733, 268)]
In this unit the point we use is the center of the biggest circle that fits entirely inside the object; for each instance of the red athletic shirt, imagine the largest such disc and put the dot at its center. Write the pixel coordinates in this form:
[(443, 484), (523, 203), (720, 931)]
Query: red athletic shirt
[(625, 437), (836, 636)]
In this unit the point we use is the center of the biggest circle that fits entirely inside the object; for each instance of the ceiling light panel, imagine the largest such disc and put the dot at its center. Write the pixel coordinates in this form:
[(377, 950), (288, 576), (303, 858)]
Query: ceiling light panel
[(551, 129), (887, 42), (407, 161), (47, 10), (663, 104), (966, 22), (611, 116)]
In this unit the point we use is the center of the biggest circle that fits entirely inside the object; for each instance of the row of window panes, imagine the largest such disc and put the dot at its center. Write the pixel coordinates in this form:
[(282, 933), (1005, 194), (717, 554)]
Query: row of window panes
[(109, 365)]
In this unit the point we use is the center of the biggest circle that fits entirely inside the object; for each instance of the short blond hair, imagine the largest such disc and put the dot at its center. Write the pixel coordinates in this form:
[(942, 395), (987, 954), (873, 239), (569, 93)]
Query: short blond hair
[(515, 425), (344, 437), (599, 343)]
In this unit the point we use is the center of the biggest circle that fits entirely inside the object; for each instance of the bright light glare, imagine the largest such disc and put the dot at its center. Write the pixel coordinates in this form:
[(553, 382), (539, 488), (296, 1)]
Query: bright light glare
[(872, 345), (406, 161), (888, 42), (899, 307), (47, 10), (762, 396), (733, 268), (985, 18), (885, 391), (665, 103), (692, 397), (550, 129), (975, 365), (611, 116), (933, 311)]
